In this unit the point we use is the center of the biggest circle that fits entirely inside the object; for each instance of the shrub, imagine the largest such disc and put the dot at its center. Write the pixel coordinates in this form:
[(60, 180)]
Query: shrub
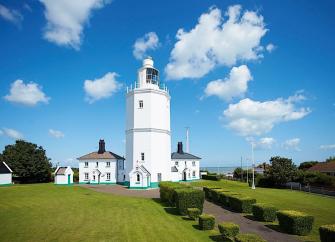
[(211, 177), (295, 222), (264, 212), (193, 213), (228, 230), (241, 204), (215, 194), (207, 191), (188, 198), (166, 191), (248, 238), (206, 222), (327, 233), (210, 192), (224, 197)]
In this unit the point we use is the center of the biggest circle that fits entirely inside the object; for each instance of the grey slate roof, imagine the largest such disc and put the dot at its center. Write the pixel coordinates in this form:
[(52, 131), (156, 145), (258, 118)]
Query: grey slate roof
[(183, 156), (61, 171), (105, 155), (4, 169)]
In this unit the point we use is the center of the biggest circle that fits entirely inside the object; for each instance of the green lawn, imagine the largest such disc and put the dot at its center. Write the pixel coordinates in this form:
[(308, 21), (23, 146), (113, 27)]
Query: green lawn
[(43, 212), (322, 208)]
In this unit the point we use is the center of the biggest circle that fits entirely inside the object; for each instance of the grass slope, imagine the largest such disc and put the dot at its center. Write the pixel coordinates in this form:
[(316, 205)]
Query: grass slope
[(321, 207), (45, 212)]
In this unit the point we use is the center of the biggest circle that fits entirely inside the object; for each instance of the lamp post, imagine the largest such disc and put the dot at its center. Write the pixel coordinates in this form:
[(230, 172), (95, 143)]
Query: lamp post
[(253, 166)]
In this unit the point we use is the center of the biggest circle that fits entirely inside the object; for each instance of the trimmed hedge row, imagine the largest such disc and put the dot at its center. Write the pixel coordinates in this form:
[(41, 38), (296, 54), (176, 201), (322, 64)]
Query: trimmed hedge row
[(206, 222), (295, 222), (327, 233), (193, 213), (211, 177), (224, 197), (188, 198), (228, 230), (166, 191), (248, 238), (264, 212), (241, 204)]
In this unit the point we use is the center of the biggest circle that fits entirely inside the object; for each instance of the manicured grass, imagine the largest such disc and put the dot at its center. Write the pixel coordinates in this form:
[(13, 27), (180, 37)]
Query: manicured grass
[(321, 207), (45, 212)]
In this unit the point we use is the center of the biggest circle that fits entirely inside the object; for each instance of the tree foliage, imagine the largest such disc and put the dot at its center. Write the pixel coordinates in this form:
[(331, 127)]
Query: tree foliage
[(307, 164), (28, 161), (282, 170)]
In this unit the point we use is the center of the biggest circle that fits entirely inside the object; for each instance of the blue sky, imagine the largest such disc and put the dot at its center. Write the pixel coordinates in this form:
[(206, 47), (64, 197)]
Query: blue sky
[(258, 72)]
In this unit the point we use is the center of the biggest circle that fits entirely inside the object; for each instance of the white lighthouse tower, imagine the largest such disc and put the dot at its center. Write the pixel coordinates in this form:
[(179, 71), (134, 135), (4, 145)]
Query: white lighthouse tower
[(148, 140)]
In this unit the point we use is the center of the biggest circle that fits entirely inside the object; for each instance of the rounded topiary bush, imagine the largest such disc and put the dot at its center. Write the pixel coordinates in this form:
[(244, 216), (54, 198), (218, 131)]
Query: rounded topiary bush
[(228, 230), (193, 213), (264, 212), (249, 238), (295, 222), (327, 233), (206, 222)]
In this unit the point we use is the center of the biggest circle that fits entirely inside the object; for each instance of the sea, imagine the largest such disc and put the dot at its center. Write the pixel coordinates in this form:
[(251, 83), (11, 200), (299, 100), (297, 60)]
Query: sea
[(219, 170)]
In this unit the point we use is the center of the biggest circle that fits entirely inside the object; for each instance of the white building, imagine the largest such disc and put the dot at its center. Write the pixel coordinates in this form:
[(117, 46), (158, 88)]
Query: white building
[(5, 174), (148, 141), (63, 175), (184, 166), (101, 167)]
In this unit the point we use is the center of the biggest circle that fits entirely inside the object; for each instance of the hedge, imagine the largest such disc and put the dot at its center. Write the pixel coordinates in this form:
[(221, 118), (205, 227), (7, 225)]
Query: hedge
[(166, 191), (224, 197), (211, 177), (327, 233), (207, 191), (295, 222), (188, 198), (206, 222), (248, 238), (228, 230), (193, 213), (241, 204), (264, 212), (215, 194)]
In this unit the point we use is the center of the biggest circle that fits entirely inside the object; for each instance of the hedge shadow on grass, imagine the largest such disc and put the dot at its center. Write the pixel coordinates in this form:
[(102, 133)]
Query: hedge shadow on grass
[(219, 238), (196, 226), (172, 211), (275, 227), (250, 217)]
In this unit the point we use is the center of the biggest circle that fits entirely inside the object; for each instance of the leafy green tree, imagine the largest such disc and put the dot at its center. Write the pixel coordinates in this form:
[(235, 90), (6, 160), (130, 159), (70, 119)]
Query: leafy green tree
[(307, 164), (282, 170), (238, 172), (330, 159), (28, 161)]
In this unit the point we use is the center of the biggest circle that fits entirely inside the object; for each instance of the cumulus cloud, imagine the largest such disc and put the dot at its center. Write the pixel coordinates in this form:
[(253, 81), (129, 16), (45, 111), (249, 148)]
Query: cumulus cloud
[(11, 133), (292, 144), (233, 86), (56, 133), (270, 47), (66, 20), (327, 147), (149, 41), (28, 94), (216, 40), (249, 117), (10, 15), (102, 87)]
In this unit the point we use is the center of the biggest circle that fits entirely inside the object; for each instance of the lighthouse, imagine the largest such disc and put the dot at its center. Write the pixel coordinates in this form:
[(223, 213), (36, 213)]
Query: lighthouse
[(148, 138)]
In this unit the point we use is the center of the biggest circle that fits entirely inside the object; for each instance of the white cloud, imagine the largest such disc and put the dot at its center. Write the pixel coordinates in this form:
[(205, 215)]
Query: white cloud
[(102, 87), (56, 133), (66, 20), (270, 47), (149, 41), (11, 133), (249, 117), (327, 147), (292, 144), (27, 94), (233, 86), (10, 15), (216, 40)]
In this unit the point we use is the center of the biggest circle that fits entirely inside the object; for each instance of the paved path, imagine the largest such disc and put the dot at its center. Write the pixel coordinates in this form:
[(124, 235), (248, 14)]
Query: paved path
[(247, 225)]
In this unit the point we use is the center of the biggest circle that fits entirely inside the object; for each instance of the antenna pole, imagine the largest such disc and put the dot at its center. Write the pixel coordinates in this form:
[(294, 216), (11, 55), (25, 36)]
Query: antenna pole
[(187, 140)]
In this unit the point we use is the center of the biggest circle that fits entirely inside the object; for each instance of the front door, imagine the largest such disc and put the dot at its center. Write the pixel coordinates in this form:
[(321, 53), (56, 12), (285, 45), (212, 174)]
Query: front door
[(184, 176), (68, 179)]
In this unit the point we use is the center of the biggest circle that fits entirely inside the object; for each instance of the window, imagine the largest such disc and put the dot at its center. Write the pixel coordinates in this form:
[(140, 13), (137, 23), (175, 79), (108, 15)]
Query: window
[(124, 177), (140, 104), (152, 76), (138, 178), (193, 163), (108, 176), (193, 173), (176, 163), (108, 164), (96, 164), (86, 164), (159, 177), (93, 177), (142, 156), (86, 176)]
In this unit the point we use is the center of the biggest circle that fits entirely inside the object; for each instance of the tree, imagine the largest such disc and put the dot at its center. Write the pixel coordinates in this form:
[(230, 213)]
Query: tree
[(307, 164), (330, 159), (282, 170), (238, 172), (28, 161)]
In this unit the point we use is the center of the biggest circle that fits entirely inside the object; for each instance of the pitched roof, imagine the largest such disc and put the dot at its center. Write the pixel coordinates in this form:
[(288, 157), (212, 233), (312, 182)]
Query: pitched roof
[(61, 171), (105, 155), (324, 167), (184, 156), (4, 168)]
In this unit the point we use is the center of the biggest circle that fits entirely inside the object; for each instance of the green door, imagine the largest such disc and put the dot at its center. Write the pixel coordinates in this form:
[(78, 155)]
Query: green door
[(68, 179)]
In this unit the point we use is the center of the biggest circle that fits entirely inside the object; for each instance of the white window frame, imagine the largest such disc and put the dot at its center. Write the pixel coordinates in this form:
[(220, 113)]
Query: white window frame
[(193, 173), (86, 164), (176, 163), (193, 163), (140, 104), (86, 176), (108, 164), (108, 176), (142, 156)]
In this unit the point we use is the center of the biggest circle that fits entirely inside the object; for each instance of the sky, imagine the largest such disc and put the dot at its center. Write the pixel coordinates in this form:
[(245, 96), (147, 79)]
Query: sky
[(240, 73)]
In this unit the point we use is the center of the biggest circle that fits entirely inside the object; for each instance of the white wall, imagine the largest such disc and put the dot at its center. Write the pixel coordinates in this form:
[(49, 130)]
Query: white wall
[(188, 164), (5, 178)]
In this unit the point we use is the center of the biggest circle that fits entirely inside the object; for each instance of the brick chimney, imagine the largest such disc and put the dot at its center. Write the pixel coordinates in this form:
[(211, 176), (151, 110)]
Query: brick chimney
[(101, 147), (180, 148)]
